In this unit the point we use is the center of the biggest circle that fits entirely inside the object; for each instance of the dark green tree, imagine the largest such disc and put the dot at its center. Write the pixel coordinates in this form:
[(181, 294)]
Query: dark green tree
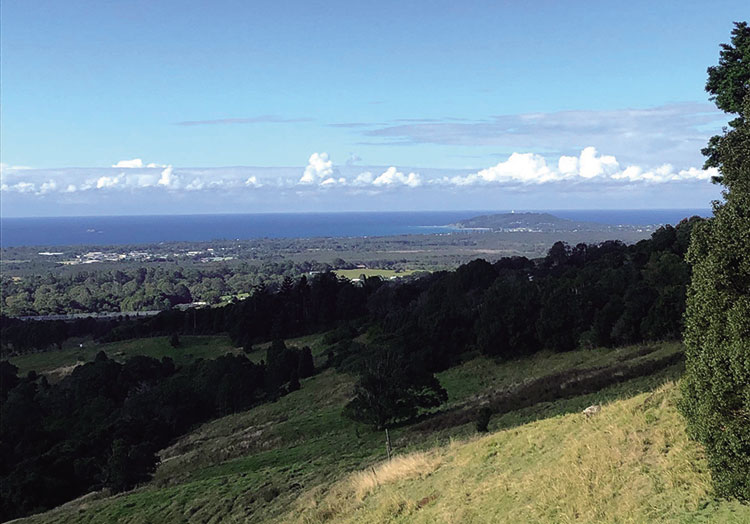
[(391, 389), (128, 465), (306, 367), (716, 386), (483, 419), (729, 83)]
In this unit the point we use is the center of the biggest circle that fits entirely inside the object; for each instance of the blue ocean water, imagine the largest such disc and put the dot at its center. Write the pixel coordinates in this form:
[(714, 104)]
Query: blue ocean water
[(110, 230)]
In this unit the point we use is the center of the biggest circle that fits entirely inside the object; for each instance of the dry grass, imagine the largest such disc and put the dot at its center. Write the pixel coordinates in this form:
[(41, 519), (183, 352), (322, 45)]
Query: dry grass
[(401, 467), (323, 504)]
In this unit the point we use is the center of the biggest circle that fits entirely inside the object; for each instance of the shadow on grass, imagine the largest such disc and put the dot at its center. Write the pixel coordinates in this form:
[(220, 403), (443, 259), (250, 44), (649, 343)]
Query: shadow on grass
[(539, 395)]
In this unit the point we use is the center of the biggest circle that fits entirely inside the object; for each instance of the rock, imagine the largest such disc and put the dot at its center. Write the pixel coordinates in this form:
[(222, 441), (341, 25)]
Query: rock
[(592, 410)]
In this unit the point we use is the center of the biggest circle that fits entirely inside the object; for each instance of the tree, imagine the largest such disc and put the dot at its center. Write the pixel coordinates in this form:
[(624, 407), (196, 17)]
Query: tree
[(483, 419), (174, 340), (716, 385), (306, 367), (729, 84), (128, 465), (391, 389)]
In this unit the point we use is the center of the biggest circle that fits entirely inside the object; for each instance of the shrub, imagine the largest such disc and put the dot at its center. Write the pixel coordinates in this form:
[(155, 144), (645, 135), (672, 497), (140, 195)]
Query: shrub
[(483, 419)]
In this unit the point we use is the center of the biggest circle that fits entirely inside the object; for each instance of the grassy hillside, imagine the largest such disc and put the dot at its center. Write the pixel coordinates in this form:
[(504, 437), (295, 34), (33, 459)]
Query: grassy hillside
[(299, 459), (631, 463)]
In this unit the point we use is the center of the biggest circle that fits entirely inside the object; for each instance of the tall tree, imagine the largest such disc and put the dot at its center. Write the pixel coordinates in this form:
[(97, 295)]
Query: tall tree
[(716, 387)]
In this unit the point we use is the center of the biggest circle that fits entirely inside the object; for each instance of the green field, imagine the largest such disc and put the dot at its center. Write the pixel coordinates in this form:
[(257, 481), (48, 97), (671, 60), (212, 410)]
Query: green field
[(190, 348), (299, 460), (382, 273)]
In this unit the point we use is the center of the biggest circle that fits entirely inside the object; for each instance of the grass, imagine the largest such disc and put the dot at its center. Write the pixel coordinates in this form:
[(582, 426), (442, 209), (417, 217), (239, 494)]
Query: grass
[(418, 464), (631, 463), (191, 348), (299, 460), (481, 373), (383, 273)]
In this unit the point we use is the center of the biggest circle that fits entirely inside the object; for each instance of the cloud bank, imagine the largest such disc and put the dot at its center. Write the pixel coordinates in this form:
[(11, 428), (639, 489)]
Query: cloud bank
[(588, 167), (588, 170)]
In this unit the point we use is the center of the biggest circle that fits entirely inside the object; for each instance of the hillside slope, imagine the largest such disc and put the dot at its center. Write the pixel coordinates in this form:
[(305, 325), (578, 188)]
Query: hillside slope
[(298, 459), (631, 463)]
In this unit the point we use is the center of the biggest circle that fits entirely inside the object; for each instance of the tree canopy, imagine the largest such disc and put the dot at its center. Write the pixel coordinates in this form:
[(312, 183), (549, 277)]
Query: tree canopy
[(716, 386)]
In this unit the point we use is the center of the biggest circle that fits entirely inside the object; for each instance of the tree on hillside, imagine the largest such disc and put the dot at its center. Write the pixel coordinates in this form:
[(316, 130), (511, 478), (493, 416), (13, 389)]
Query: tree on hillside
[(716, 387), (391, 389)]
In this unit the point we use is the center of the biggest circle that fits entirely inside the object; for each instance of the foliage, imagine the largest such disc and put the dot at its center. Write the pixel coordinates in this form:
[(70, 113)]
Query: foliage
[(716, 387), (729, 85), (391, 389), (483, 419), (306, 367), (102, 425)]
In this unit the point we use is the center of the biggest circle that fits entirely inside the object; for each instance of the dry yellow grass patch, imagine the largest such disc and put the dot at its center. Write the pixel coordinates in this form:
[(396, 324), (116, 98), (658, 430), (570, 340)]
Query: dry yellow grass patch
[(401, 467), (343, 498)]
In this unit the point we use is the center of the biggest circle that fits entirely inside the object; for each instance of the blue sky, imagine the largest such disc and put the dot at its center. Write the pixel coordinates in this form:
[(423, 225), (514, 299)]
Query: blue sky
[(319, 106)]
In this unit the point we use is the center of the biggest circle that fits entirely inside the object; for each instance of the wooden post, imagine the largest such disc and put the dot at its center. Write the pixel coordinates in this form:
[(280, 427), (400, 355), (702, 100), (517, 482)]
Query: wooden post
[(388, 448)]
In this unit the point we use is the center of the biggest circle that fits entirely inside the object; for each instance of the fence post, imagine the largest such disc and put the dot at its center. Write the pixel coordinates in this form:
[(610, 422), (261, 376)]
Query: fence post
[(388, 448)]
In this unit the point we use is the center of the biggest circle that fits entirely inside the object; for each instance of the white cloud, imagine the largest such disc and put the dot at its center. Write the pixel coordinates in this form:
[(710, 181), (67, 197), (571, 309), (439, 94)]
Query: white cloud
[(319, 168), (531, 168), (196, 185), (167, 178), (23, 187), (524, 168), (7, 167), (393, 177), (135, 163), (588, 171), (48, 187), (330, 182), (252, 181), (567, 165), (364, 179), (109, 181)]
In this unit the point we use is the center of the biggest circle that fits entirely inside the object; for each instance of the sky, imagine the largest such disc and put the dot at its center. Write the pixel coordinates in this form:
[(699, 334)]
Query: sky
[(142, 107)]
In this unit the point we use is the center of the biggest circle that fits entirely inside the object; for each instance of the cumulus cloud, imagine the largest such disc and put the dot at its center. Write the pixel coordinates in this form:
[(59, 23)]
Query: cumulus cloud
[(589, 166), (392, 177), (319, 168), (135, 163), (167, 178), (364, 179), (109, 181), (252, 181)]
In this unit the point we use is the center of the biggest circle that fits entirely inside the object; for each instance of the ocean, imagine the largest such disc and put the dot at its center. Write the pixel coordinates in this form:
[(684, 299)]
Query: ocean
[(111, 230)]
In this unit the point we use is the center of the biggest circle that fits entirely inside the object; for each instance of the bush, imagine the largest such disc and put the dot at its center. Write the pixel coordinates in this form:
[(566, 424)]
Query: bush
[(483, 419)]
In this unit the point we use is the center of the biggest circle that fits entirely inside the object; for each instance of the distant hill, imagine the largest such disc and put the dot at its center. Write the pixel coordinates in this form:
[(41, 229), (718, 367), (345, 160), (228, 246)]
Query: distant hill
[(536, 222)]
